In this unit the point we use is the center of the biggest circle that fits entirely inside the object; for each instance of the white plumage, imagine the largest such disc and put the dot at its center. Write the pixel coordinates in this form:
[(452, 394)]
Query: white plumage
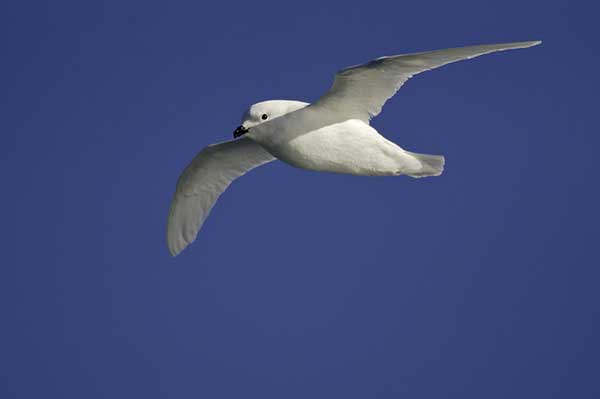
[(331, 135)]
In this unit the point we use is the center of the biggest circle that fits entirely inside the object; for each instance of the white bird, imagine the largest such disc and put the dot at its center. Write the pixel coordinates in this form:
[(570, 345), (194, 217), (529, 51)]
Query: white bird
[(331, 135)]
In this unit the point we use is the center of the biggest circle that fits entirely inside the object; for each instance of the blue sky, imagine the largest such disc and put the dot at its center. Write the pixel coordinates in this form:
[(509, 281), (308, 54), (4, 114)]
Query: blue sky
[(478, 283)]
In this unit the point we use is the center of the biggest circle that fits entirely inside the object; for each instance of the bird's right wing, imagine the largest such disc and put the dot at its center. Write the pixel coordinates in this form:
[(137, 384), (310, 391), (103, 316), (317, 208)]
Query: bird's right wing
[(359, 92), (202, 182)]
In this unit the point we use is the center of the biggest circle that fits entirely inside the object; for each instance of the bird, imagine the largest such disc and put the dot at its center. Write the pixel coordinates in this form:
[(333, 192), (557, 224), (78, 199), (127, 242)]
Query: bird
[(332, 134)]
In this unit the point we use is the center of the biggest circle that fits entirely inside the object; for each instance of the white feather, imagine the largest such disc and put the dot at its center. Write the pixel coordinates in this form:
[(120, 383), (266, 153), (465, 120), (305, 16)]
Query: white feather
[(203, 181)]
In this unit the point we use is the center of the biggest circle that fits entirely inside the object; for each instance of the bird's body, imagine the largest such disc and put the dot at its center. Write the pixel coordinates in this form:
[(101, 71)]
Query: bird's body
[(351, 147), (332, 134)]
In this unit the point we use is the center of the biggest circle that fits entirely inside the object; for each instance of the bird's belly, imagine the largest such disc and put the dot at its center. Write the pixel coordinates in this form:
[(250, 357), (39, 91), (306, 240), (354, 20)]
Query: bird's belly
[(351, 147)]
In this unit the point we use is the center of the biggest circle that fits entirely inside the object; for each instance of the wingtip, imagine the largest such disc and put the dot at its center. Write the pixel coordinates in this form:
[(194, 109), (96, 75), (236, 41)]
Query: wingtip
[(517, 45), (173, 252), (175, 248)]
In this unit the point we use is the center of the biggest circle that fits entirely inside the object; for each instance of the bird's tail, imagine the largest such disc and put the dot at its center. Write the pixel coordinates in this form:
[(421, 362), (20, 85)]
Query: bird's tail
[(431, 165)]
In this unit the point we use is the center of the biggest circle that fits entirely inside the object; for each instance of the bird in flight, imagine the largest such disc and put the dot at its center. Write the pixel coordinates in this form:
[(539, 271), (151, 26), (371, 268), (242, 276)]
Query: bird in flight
[(332, 134)]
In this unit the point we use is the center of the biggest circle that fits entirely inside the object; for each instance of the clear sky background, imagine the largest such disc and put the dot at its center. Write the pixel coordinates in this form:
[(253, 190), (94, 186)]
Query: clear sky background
[(481, 283)]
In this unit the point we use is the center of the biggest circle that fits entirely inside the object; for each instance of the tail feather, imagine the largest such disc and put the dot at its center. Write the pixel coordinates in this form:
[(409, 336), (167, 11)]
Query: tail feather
[(431, 165)]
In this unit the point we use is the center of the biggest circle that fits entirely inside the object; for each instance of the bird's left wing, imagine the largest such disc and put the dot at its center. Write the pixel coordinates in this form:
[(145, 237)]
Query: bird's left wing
[(202, 182), (359, 92)]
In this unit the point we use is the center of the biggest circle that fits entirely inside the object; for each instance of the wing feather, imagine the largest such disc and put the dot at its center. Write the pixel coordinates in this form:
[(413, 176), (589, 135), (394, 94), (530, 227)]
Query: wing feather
[(361, 91), (203, 181)]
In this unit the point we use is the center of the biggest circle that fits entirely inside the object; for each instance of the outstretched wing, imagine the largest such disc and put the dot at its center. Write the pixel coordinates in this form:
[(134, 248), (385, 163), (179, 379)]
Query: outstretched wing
[(203, 181), (360, 91)]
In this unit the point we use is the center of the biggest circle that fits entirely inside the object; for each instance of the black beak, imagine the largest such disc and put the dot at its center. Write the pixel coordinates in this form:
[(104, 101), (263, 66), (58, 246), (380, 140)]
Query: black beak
[(239, 131)]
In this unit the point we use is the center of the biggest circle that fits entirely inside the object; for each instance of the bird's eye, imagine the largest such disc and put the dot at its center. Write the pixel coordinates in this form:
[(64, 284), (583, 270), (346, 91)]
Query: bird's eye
[(264, 117)]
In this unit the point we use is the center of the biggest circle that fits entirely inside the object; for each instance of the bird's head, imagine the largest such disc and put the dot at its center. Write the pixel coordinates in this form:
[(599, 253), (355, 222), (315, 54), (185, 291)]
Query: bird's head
[(266, 111)]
